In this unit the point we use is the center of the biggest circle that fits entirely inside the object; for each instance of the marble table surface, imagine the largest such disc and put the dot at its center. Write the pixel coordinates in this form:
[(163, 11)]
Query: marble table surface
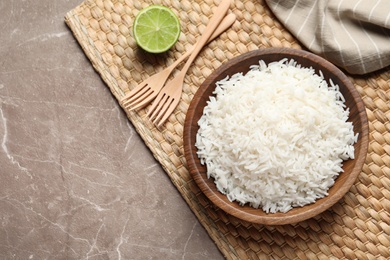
[(77, 181)]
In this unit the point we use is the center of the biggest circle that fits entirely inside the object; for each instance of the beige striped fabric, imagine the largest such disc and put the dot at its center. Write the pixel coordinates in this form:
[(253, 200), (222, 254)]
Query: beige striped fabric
[(353, 34)]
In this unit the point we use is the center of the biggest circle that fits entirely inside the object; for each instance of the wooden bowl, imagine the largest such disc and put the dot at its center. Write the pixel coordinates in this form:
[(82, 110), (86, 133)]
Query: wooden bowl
[(345, 180)]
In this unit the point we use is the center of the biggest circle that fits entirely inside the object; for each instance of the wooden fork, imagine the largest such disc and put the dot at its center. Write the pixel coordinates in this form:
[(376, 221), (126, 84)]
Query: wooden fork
[(147, 90), (170, 94)]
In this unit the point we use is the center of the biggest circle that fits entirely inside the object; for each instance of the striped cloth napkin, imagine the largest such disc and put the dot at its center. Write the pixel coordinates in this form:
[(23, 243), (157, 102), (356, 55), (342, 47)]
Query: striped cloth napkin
[(352, 34)]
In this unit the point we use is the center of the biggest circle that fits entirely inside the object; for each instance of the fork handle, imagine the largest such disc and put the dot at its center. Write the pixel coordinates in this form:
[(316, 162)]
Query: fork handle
[(210, 28), (223, 26)]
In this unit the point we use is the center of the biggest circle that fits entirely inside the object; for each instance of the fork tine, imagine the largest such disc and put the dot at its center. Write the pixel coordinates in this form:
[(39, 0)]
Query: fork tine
[(142, 103), (142, 93), (157, 104), (131, 97), (140, 99), (139, 93), (172, 106), (139, 87), (134, 91), (163, 110)]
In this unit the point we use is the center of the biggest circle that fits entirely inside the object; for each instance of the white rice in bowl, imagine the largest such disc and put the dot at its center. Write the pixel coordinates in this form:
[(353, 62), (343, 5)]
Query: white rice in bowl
[(276, 137)]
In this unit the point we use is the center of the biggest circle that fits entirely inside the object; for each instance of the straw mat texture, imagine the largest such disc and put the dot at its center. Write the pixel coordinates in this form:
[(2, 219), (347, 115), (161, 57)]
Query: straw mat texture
[(357, 227)]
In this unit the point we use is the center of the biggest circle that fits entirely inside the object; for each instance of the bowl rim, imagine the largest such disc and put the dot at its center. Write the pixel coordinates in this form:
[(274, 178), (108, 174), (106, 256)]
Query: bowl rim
[(250, 213)]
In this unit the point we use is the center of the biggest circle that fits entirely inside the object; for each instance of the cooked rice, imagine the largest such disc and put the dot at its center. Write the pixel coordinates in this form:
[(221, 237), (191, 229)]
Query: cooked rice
[(276, 137)]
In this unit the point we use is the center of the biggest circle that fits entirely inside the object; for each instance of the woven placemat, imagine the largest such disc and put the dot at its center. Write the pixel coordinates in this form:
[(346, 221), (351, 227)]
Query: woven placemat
[(357, 227)]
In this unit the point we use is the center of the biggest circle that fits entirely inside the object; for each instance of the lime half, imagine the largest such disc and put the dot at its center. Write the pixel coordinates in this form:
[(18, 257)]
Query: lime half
[(156, 28)]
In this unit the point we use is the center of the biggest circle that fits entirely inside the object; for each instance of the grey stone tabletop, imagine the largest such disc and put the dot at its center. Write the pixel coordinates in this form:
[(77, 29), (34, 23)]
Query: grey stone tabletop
[(77, 181)]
